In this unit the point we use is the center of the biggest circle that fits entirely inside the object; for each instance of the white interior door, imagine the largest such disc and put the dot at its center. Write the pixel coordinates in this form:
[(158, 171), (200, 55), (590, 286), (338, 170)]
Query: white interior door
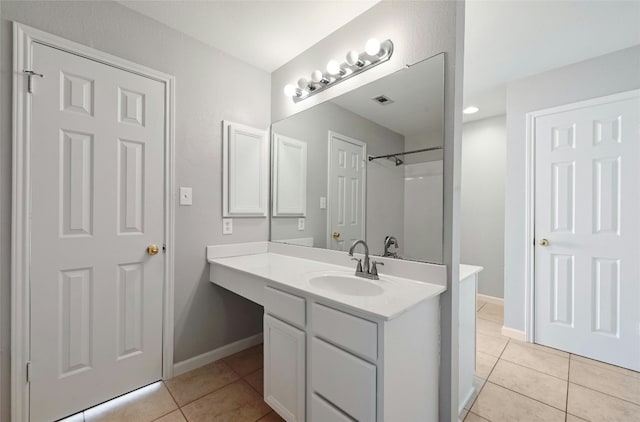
[(97, 177), (347, 191), (587, 195)]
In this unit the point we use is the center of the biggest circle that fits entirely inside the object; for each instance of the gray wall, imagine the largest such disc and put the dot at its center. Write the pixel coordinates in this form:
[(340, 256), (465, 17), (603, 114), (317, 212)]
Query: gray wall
[(604, 75), (418, 30), (210, 86), (484, 153), (385, 184)]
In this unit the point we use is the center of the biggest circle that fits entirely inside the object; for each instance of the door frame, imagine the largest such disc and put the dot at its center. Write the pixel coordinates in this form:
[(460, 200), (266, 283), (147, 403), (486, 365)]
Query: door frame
[(333, 134), (530, 191), (24, 38)]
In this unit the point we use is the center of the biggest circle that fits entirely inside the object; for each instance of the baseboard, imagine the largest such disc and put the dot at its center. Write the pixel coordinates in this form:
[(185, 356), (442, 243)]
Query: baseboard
[(514, 334), (216, 354), (491, 299)]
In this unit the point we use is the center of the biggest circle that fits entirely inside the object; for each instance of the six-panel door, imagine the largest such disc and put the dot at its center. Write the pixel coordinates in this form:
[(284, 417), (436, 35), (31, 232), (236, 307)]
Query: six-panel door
[(97, 177)]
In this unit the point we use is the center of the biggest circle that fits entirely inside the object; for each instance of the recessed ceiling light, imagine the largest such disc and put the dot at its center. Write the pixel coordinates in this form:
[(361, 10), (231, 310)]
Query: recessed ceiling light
[(470, 110)]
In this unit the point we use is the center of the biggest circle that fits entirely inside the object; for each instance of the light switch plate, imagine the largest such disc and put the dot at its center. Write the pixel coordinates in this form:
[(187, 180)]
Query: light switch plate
[(227, 226), (186, 196), (300, 223), (323, 202)]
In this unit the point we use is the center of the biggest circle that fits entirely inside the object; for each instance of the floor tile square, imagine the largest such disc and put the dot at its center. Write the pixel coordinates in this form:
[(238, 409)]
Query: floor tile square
[(194, 384), (472, 417), (598, 407), (542, 348), (246, 361), (237, 402), (606, 381), (490, 345), (549, 363), (531, 383), (499, 404), (146, 404), (484, 364), (271, 417), (613, 368), (485, 326), (492, 312), (256, 380)]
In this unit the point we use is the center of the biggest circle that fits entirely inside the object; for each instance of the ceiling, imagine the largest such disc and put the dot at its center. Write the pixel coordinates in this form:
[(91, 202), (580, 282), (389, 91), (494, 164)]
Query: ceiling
[(417, 93), (266, 34), (509, 40), (504, 40)]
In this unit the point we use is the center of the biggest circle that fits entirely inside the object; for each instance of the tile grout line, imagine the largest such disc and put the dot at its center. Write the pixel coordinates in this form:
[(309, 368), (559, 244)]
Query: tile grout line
[(536, 370), (525, 396), (606, 394)]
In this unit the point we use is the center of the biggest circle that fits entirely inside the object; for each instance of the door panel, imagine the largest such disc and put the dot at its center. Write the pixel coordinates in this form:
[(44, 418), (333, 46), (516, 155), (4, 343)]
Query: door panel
[(97, 177), (587, 279)]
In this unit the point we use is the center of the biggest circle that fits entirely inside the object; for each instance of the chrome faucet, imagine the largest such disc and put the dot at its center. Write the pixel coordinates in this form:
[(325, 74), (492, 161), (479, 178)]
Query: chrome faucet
[(363, 271), (388, 242)]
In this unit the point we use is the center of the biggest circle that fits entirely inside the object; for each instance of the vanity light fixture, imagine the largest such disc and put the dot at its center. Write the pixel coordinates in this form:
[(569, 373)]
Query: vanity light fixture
[(470, 110), (375, 52)]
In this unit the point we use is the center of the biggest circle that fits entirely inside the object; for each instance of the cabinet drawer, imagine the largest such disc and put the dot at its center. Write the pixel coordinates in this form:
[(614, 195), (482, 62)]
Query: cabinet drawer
[(343, 379), (285, 306), (348, 331), (321, 411)]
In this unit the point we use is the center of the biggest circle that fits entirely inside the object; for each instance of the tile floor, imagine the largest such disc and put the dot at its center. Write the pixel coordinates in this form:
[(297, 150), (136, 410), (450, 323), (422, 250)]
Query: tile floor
[(519, 382), (528, 382), (223, 391)]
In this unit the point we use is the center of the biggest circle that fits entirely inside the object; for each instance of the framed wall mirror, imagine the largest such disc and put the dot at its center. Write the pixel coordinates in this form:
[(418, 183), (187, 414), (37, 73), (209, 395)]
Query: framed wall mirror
[(365, 165)]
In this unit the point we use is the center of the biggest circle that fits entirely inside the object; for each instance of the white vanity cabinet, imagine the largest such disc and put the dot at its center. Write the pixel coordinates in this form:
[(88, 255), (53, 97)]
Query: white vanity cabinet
[(323, 362), (285, 354)]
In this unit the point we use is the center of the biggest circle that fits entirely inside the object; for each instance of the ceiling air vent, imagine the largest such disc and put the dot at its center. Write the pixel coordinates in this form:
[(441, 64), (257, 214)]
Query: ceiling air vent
[(382, 100)]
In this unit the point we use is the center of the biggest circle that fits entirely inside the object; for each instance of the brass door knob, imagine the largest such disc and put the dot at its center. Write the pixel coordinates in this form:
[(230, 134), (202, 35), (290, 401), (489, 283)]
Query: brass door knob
[(336, 235), (543, 242), (153, 249)]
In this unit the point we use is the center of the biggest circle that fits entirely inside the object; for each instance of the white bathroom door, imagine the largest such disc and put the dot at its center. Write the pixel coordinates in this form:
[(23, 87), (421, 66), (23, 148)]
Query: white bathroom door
[(347, 191), (97, 177), (587, 229)]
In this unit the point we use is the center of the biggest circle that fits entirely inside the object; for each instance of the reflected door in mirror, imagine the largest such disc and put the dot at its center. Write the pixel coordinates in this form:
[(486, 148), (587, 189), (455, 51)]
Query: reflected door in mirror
[(347, 182)]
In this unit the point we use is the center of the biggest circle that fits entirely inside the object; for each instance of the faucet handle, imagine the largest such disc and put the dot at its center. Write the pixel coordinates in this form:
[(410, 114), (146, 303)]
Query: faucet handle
[(374, 267), (359, 267)]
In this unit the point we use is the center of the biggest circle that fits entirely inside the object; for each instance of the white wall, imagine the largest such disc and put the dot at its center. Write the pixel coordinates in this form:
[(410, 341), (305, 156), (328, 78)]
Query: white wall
[(385, 193), (211, 86), (604, 75), (484, 151), (419, 30)]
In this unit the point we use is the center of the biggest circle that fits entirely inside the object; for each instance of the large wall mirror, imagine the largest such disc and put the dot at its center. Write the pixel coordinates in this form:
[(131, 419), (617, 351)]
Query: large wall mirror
[(365, 165)]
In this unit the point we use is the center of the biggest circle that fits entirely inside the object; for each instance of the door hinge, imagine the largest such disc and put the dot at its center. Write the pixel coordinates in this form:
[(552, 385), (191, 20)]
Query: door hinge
[(30, 75), (28, 372)]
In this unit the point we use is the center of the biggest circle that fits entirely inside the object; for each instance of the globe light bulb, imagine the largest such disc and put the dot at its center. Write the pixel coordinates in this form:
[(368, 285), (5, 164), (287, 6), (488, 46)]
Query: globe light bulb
[(290, 90), (353, 59), (317, 76), (333, 67), (372, 47), (303, 83)]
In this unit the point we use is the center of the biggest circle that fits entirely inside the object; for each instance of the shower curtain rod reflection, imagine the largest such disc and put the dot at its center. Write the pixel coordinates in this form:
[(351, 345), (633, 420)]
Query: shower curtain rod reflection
[(394, 157)]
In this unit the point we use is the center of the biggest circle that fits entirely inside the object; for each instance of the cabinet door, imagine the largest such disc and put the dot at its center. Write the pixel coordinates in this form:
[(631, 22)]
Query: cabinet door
[(284, 369)]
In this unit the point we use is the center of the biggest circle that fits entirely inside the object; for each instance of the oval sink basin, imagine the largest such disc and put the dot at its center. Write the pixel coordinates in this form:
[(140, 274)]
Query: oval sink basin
[(346, 285)]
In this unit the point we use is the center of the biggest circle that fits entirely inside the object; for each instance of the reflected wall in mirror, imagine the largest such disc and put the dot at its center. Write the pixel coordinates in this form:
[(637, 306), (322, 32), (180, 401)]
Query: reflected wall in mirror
[(365, 165)]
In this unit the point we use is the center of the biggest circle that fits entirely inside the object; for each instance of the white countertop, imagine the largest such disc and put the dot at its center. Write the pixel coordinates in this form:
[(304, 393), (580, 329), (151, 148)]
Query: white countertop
[(467, 271), (293, 273)]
